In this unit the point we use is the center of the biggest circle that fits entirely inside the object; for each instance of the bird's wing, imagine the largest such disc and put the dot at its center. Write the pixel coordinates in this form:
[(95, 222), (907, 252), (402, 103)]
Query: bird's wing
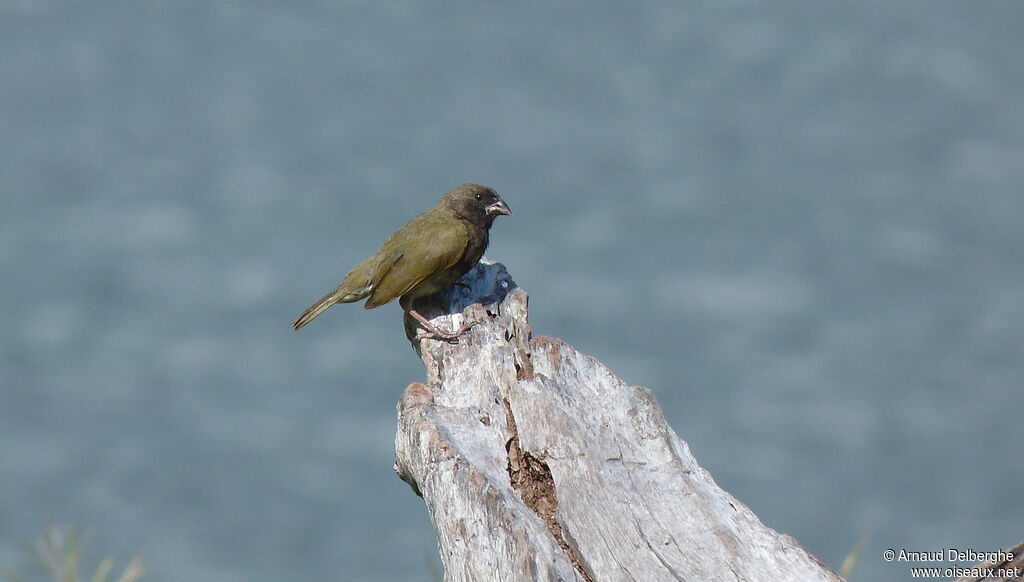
[(444, 248)]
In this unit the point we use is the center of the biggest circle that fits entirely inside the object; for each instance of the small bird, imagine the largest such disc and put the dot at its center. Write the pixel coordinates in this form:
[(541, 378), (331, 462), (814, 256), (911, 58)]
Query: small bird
[(429, 254)]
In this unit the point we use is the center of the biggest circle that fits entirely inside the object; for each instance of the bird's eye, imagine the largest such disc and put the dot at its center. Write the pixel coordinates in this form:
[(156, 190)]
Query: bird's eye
[(479, 196)]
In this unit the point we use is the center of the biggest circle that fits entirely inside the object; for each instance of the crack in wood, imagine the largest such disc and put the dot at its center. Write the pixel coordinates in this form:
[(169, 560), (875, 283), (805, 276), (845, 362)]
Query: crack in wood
[(531, 479)]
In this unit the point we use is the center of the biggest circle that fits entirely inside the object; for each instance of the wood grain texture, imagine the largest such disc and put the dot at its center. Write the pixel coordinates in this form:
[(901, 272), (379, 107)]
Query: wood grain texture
[(538, 463), (1009, 570)]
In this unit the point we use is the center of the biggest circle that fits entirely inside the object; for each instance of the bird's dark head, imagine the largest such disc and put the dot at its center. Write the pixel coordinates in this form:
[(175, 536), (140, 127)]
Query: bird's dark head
[(475, 203)]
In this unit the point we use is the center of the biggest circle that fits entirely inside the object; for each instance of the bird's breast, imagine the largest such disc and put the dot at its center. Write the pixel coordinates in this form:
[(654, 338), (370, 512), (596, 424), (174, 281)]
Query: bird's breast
[(476, 244)]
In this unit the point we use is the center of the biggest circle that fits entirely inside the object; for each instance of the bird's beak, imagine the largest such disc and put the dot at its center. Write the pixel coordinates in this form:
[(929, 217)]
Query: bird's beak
[(499, 207)]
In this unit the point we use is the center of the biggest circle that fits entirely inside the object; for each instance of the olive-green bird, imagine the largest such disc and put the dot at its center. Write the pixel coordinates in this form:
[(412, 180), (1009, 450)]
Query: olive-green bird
[(430, 253)]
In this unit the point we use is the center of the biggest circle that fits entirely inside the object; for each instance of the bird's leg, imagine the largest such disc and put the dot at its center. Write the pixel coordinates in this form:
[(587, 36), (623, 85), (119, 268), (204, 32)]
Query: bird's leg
[(432, 332)]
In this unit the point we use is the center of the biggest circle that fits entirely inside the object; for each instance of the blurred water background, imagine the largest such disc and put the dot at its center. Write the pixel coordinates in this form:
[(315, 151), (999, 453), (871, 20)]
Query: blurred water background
[(799, 223)]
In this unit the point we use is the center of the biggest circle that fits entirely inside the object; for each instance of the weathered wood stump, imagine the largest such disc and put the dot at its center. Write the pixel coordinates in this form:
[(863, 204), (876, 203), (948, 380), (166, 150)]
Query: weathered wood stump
[(538, 463)]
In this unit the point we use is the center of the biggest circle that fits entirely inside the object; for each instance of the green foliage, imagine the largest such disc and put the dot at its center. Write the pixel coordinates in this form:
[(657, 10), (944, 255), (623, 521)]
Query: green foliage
[(851, 558), (58, 557)]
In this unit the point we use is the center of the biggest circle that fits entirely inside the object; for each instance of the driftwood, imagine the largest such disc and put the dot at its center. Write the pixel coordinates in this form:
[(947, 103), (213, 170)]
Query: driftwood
[(537, 463), (1004, 570)]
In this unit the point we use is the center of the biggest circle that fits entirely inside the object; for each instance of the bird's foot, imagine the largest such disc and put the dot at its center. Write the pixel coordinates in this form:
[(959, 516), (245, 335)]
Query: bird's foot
[(447, 336), (430, 331)]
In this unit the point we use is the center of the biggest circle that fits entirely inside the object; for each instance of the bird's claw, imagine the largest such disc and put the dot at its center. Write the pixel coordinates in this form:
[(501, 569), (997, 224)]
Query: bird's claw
[(446, 336), (452, 338)]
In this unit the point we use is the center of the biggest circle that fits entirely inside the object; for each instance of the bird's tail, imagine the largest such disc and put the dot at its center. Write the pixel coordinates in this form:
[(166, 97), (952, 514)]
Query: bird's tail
[(316, 309)]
